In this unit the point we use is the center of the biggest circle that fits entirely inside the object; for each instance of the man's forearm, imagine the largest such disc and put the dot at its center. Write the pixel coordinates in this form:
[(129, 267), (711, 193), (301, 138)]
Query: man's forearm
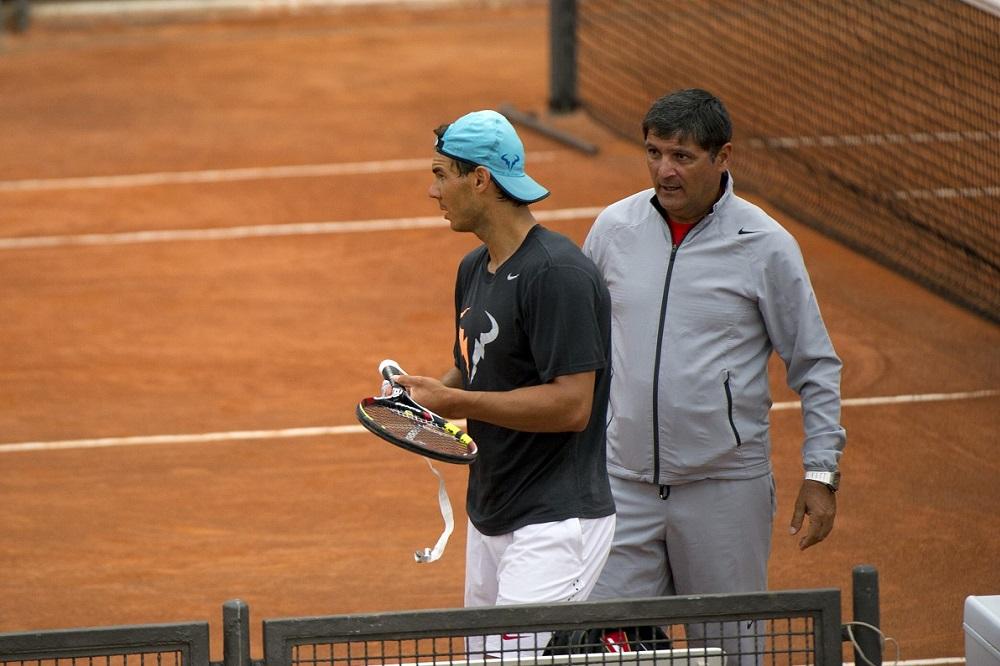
[(562, 405)]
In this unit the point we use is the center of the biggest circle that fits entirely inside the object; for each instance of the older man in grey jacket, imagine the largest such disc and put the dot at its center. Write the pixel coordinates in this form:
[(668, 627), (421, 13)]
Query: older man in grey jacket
[(704, 286)]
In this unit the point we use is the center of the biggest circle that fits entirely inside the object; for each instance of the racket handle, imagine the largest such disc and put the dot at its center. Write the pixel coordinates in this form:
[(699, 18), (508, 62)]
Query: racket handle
[(389, 368)]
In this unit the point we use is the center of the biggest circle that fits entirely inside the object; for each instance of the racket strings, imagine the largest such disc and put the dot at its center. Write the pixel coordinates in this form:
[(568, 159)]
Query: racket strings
[(412, 426)]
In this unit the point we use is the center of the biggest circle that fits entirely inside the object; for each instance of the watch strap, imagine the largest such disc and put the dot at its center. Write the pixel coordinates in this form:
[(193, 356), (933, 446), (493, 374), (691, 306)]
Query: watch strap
[(829, 479)]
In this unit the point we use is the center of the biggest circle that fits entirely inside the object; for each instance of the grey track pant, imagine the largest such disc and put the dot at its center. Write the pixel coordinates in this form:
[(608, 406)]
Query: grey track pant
[(706, 537)]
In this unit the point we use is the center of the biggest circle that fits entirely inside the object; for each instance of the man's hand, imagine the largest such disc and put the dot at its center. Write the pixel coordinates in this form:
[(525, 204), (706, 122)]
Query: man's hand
[(430, 393), (820, 504)]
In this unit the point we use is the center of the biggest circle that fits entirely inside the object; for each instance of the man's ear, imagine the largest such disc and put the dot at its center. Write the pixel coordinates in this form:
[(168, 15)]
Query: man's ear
[(481, 178), (723, 157)]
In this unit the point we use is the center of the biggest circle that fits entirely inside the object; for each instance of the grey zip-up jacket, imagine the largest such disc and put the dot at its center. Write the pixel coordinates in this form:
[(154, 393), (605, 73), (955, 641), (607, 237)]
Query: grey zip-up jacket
[(693, 327)]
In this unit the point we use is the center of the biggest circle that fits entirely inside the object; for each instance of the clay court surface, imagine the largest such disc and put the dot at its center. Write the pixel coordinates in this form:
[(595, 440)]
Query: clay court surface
[(124, 336)]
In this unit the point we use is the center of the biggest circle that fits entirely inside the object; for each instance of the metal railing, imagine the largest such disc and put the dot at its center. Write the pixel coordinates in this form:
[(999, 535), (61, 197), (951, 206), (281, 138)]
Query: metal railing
[(789, 627), (182, 644), (779, 627)]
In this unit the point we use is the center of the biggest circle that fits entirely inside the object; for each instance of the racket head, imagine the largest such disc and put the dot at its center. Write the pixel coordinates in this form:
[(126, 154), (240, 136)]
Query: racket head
[(406, 424)]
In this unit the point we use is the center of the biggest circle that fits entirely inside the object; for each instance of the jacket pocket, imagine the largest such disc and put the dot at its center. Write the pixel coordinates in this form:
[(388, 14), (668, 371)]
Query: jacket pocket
[(729, 409)]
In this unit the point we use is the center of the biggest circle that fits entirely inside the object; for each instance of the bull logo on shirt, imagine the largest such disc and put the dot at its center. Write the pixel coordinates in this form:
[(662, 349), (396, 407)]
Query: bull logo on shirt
[(474, 339)]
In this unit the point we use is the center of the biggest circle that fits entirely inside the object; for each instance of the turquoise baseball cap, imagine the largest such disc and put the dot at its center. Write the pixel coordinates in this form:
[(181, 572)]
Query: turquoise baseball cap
[(486, 138)]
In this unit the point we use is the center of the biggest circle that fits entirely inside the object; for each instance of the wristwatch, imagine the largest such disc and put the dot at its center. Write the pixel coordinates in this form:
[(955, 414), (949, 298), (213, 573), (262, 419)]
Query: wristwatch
[(829, 479)]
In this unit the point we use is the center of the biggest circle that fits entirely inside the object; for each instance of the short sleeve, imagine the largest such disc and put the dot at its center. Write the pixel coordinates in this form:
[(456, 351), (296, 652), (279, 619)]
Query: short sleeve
[(565, 324)]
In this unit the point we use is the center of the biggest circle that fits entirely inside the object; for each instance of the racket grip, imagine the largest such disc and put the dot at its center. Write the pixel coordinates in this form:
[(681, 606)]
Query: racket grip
[(388, 368)]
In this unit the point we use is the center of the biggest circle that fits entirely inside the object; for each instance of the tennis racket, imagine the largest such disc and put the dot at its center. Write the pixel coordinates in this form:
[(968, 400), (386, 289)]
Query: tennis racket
[(399, 419)]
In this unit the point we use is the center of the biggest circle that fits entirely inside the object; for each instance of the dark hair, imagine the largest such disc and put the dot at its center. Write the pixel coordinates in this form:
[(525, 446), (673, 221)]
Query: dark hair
[(465, 167), (690, 114)]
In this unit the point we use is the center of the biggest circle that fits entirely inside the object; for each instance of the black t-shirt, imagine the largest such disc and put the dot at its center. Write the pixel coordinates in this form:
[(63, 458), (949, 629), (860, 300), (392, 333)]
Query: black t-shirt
[(545, 313)]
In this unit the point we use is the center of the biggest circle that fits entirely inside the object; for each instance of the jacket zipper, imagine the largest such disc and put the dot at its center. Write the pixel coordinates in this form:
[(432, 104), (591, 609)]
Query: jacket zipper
[(656, 374), (729, 410)]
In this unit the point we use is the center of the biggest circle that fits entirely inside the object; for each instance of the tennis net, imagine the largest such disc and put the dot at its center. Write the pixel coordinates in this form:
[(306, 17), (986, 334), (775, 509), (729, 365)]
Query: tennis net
[(874, 121)]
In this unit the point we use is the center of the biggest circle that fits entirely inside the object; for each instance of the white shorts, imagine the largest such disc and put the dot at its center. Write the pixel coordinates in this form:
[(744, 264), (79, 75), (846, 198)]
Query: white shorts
[(541, 563)]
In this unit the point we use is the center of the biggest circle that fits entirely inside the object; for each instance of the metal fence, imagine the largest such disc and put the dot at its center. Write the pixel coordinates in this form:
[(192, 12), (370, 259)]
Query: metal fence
[(792, 627), (776, 628), (185, 644)]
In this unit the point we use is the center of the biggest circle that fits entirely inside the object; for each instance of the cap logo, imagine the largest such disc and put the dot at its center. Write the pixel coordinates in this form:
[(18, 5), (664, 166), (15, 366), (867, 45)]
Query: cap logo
[(510, 160)]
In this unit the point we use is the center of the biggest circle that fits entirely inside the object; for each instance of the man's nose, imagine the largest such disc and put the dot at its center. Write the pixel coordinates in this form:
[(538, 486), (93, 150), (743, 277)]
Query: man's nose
[(665, 169)]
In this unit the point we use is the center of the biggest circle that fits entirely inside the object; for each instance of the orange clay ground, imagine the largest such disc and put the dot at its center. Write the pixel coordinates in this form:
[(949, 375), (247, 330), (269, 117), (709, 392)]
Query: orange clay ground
[(204, 336)]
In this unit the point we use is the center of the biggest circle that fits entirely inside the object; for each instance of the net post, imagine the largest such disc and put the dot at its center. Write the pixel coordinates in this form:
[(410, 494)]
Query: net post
[(562, 56), (866, 609), (19, 15), (236, 633)]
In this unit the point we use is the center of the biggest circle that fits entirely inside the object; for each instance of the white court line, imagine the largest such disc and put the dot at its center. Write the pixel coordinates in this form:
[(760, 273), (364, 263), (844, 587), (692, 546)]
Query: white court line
[(288, 433), (940, 661), (116, 7), (797, 142), (181, 439), (231, 175), (991, 6), (950, 193), (898, 399), (269, 230), (266, 230), (827, 141)]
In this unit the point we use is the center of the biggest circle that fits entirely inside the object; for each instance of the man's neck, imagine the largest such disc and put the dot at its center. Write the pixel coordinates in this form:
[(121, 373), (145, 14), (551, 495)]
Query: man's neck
[(506, 233)]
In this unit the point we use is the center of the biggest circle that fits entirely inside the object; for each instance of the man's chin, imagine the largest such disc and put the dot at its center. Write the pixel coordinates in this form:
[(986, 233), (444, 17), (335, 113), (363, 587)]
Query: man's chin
[(669, 201)]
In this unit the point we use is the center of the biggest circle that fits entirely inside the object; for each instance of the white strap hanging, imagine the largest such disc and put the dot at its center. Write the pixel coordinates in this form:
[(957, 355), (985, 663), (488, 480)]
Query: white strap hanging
[(432, 554)]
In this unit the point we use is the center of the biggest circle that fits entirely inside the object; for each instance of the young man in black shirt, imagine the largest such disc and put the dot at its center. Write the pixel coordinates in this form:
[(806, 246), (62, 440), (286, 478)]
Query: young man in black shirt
[(531, 375)]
